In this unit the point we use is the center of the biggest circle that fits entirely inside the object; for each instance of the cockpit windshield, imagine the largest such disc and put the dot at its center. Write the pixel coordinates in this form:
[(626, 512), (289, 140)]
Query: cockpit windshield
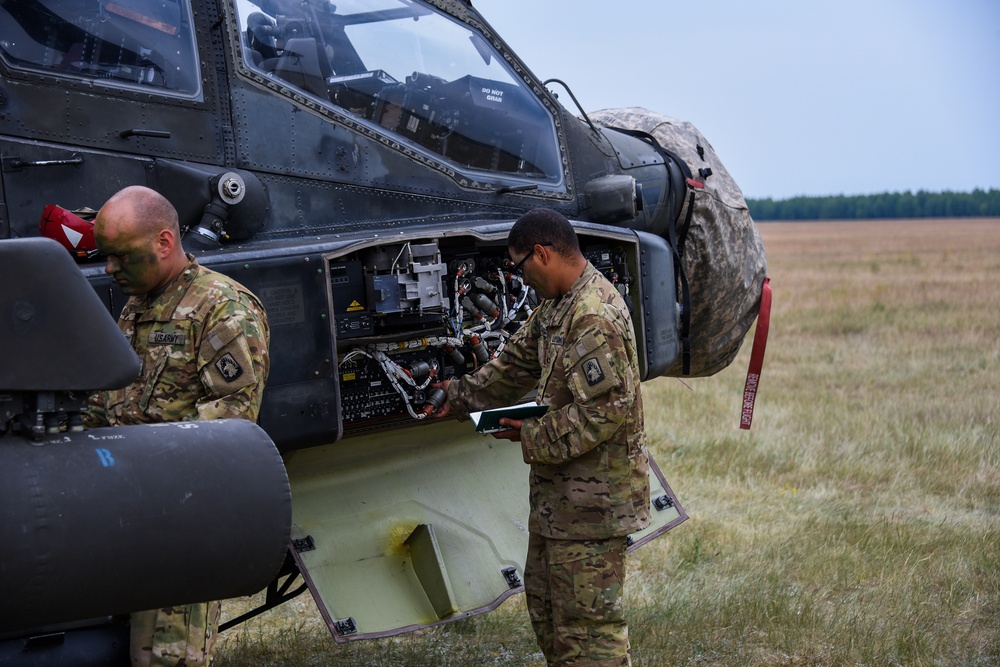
[(403, 66), (125, 43)]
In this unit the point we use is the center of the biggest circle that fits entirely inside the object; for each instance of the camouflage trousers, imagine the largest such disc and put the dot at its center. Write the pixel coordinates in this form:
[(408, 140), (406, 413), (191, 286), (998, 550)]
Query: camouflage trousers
[(175, 636), (573, 590)]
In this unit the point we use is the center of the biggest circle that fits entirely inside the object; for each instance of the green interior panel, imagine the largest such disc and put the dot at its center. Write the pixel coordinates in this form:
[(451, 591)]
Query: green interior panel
[(665, 510), (417, 526)]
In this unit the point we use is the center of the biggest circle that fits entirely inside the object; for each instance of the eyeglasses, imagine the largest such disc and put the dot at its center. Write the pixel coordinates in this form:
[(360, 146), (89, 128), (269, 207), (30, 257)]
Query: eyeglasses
[(517, 267)]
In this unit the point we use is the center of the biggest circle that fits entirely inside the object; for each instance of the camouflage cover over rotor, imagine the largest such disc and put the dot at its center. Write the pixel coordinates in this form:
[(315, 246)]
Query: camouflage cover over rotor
[(723, 257)]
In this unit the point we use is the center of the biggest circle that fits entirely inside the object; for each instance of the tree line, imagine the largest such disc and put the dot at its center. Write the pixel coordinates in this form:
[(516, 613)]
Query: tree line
[(976, 204)]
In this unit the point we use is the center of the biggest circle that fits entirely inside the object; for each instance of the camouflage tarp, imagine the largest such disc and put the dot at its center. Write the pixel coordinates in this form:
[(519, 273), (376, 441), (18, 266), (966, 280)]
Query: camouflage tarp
[(723, 255)]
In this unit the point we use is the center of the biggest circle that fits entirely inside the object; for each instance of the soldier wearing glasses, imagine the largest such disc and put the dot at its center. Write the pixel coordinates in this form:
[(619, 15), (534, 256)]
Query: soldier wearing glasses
[(589, 486)]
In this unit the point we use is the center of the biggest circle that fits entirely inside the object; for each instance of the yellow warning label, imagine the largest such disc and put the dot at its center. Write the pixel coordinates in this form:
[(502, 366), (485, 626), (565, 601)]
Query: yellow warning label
[(355, 306)]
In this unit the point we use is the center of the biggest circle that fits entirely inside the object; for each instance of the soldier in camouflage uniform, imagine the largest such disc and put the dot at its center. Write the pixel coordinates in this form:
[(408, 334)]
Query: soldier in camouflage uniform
[(203, 341), (589, 485)]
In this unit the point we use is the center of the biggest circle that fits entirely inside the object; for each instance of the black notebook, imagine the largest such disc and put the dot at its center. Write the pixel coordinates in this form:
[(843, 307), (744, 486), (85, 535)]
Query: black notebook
[(488, 421)]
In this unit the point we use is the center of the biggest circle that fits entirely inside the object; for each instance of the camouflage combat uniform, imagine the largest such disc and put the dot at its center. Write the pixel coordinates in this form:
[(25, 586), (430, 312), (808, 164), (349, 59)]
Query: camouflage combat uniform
[(589, 484), (203, 343)]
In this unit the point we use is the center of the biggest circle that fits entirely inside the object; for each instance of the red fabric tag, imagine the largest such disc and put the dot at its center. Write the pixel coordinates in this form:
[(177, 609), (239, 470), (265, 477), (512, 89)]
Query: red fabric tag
[(756, 356)]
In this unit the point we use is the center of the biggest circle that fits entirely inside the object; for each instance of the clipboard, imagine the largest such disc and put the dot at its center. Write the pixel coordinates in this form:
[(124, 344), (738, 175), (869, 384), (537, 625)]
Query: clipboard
[(488, 421)]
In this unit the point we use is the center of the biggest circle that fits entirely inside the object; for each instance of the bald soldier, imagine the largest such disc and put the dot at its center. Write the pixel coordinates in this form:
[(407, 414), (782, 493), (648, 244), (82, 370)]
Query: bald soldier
[(589, 470), (203, 341)]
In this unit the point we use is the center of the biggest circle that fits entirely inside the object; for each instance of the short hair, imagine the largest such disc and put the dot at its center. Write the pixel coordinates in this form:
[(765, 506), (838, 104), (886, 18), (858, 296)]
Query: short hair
[(541, 226), (155, 212), (146, 209)]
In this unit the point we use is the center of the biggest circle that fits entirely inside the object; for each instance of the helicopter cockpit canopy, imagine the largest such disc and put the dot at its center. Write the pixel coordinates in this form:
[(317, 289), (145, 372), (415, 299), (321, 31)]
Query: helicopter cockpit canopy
[(124, 43), (403, 67)]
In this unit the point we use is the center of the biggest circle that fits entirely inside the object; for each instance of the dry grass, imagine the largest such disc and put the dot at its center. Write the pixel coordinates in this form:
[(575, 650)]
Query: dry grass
[(858, 523)]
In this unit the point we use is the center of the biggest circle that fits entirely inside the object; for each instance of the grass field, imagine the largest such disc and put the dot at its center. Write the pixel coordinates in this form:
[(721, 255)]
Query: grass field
[(857, 523)]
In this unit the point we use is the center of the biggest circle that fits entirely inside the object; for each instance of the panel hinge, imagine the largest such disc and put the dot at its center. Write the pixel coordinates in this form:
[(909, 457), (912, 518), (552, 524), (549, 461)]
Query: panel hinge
[(663, 502), (510, 574), (304, 544), (346, 626)]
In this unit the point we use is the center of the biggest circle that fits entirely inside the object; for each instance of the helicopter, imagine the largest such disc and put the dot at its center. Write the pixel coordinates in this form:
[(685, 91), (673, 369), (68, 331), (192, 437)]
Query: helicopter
[(357, 164)]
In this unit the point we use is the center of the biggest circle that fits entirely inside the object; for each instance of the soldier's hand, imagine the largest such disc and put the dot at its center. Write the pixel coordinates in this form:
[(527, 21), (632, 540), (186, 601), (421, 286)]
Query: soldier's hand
[(512, 433), (445, 408)]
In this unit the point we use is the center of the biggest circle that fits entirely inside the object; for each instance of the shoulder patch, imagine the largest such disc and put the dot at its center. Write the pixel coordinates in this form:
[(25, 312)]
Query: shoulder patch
[(592, 371), (229, 367)]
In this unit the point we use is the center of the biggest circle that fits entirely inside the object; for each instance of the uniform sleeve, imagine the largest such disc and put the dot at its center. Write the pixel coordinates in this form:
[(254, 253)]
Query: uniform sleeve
[(95, 414), (233, 360), (601, 380), (503, 380)]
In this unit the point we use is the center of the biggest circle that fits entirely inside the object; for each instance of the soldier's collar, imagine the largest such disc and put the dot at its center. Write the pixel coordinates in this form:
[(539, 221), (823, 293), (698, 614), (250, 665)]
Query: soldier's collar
[(562, 305)]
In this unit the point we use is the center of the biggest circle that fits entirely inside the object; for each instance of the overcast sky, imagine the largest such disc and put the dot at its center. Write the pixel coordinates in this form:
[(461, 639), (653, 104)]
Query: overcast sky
[(796, 96)]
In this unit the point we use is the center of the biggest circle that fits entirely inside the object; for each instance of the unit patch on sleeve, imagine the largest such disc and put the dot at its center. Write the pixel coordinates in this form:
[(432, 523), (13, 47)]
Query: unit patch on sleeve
[(592, 369), (229, 367)]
